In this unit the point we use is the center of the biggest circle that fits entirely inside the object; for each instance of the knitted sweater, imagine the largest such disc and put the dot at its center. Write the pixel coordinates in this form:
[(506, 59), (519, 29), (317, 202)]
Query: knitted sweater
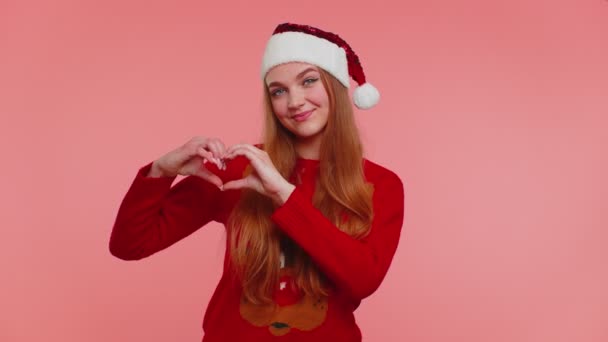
[(153, 216)]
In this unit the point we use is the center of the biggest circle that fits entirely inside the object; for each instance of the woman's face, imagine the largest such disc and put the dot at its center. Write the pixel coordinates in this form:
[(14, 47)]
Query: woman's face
[(296, 88)]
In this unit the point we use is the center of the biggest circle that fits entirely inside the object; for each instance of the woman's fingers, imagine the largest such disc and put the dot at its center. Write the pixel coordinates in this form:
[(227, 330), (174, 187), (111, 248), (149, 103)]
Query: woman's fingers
[(204, 173), (214, 147), (239, 183), (248, 147), (209, 151), (218, 148), (204, 153), (222, 148), (207, 156)]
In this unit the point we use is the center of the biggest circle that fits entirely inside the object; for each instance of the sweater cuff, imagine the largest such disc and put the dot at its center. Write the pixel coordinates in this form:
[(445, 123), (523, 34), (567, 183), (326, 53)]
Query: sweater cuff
[(151, 185), (294, 211)]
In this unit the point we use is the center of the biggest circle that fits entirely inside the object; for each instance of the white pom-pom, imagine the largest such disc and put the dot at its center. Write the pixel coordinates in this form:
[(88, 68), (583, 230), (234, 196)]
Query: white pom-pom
[(366, 96)]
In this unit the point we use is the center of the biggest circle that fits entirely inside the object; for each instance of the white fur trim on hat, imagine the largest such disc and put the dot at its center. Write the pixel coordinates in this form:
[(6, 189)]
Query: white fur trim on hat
[(301, 47)]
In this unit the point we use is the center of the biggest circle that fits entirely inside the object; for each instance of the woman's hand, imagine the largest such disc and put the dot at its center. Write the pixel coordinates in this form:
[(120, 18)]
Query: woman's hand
[(264, 178), (190, 159)]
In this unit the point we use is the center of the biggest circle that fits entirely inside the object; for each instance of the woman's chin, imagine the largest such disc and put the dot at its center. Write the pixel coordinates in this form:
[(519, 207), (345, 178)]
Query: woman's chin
[(307, 134)]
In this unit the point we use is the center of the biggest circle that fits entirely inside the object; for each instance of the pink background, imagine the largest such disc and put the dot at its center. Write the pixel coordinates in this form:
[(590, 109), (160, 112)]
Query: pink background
[(492, 112)]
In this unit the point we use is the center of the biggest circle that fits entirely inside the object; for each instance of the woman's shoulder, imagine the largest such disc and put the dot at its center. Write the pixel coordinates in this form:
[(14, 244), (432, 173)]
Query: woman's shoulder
[(376, 173)]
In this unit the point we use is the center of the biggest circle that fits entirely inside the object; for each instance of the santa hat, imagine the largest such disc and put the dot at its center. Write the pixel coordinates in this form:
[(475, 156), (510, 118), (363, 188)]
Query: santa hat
[(303, 43)]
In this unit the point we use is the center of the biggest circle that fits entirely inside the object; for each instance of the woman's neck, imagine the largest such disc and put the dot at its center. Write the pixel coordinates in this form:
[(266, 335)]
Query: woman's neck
[(309, 149)]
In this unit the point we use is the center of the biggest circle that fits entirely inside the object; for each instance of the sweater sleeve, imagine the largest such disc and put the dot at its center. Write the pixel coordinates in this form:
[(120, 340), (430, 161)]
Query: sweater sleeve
[(153, 215), (355, 266)]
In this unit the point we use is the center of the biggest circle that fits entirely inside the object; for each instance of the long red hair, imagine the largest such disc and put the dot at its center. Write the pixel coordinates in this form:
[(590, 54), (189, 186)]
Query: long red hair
[(255, 242)]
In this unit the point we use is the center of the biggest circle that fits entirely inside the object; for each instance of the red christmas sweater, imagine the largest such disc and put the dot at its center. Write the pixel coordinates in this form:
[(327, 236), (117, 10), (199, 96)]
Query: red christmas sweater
[(154, 215)]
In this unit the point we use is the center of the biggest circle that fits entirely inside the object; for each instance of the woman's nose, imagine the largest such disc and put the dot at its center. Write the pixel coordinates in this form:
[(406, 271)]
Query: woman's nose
[(296, 100)]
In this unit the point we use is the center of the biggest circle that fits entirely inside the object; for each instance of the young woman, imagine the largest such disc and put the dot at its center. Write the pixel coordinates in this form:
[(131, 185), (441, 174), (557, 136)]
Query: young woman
[(311, 225)]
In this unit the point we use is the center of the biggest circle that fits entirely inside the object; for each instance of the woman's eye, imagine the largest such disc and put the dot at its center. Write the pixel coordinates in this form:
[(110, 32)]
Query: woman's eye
[(276, 92), (310, 80)]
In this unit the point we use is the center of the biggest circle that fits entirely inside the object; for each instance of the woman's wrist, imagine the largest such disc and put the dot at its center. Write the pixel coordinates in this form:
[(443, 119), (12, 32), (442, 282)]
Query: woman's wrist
[(283, 195), (156, 172)]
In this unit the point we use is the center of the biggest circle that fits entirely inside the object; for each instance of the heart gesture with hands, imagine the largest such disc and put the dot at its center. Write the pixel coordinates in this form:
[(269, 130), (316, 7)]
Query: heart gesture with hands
[(264, 179), (190, 159)]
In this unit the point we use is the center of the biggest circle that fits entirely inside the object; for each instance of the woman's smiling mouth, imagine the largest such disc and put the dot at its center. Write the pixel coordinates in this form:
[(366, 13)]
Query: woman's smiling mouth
[(302, 116)]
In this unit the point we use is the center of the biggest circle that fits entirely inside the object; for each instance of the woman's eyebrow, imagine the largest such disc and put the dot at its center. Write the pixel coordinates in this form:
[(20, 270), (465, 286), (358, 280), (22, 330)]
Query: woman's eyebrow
[(297, 77)]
